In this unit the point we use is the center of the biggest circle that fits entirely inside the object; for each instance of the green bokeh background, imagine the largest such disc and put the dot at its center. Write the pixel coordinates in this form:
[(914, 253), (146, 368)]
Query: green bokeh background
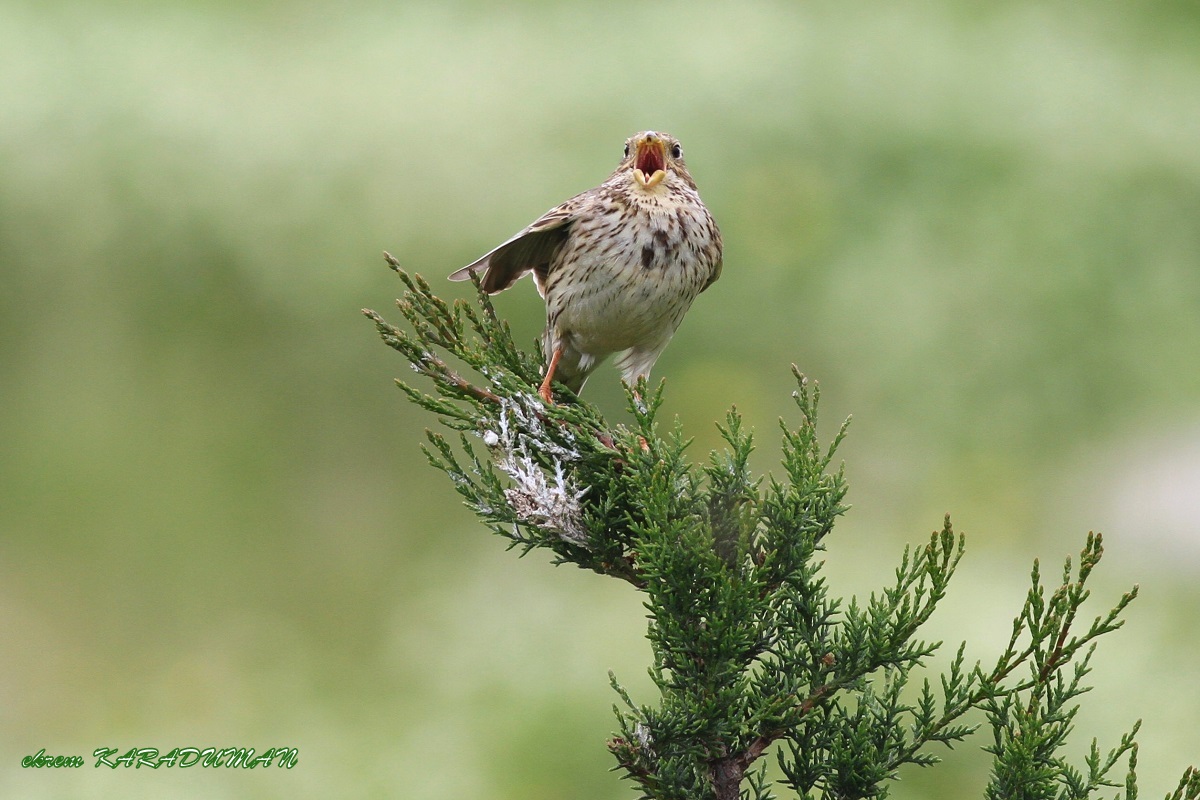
[(979, 228)]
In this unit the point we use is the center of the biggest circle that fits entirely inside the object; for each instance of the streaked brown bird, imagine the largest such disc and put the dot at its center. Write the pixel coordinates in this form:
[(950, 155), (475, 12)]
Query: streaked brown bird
[(618, 265)]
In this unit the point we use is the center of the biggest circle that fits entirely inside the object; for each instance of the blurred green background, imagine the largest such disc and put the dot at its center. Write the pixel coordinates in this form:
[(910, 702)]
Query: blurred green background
[(979, 228)]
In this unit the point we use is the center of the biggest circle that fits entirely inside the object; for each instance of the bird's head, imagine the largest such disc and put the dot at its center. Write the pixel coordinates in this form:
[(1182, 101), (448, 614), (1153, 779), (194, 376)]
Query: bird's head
[(651, 157)]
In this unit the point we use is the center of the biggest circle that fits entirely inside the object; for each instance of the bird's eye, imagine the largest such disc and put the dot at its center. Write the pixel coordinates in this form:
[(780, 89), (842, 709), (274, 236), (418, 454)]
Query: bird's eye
[(627, 150), (676, 151)]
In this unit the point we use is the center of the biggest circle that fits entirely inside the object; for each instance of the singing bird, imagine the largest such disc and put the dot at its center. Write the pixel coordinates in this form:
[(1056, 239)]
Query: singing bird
[(618, 265)]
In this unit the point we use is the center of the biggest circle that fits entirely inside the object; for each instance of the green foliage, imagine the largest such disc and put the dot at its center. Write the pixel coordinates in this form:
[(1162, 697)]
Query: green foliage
[(1032, 718), (751, 650)]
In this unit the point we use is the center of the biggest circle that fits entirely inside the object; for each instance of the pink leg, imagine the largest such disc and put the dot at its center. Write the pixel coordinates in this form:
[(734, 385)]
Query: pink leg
[(544, 390)]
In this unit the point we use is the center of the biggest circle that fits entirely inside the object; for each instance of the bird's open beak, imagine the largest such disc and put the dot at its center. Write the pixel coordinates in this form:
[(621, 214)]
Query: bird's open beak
[(649, 161)]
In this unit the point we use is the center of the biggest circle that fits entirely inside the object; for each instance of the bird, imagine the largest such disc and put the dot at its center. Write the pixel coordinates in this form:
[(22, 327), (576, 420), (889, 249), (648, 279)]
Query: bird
[(617, 265)]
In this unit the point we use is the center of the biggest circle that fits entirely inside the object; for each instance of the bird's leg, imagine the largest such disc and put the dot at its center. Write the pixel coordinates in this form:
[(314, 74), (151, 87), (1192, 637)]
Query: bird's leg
[(544, 389)]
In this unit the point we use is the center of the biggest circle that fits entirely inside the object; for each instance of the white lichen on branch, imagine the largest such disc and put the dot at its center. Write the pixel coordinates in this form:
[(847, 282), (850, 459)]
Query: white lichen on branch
[(548, 500)]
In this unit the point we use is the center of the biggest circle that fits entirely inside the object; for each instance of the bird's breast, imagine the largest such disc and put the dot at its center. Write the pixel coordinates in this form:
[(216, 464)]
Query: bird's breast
[(629, 271)]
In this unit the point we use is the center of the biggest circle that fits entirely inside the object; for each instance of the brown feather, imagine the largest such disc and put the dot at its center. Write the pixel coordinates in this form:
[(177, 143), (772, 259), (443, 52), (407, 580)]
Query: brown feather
[(531, 249)]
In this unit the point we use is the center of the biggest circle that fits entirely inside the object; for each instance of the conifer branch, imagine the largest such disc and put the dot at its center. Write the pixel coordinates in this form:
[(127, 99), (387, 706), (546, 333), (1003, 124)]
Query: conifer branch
[(752, 651)]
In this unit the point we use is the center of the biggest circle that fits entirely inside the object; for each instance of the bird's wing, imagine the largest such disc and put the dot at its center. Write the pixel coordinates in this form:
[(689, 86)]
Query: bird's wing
[(713, 275), (531, 249)]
